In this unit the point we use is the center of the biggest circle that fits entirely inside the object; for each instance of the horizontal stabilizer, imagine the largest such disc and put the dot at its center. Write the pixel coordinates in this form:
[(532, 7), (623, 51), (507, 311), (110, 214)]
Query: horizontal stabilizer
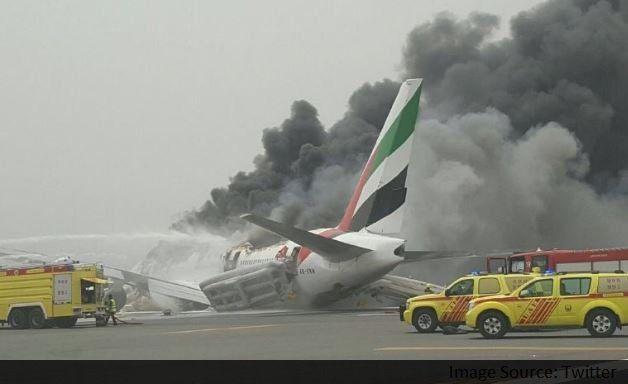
[(410, 256), (331, 249)]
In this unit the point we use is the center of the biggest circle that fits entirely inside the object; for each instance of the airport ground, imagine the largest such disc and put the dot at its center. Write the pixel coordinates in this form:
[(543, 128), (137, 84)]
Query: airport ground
[(376, 334)]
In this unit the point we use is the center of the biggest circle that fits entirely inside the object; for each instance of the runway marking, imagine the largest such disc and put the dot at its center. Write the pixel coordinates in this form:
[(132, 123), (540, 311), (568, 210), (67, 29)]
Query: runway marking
[(222, 329), (534, 348)]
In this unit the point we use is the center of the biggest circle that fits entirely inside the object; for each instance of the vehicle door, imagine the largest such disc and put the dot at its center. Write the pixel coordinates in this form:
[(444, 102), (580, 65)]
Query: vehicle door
[(615, 288), (291, 261), (573, 293), (231, 260), (535, 303), (459, 295), (488, 286)]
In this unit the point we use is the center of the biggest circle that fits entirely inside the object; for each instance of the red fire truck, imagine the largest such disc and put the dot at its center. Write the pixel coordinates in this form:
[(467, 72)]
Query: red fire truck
[(561, 260)]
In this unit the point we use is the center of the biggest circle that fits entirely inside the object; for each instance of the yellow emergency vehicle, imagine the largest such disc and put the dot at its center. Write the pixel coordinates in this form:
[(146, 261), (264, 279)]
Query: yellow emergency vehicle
[(51, 295), (596, 301), (426, 312)]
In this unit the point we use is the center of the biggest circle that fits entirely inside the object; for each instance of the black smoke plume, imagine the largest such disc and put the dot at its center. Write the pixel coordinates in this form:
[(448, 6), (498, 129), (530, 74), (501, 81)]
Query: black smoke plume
[(547, 105), (566, 62), (299, 157)]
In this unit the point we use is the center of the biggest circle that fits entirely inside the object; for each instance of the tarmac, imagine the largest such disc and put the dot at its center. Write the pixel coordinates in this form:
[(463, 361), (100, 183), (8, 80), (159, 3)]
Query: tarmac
[(301, 335)]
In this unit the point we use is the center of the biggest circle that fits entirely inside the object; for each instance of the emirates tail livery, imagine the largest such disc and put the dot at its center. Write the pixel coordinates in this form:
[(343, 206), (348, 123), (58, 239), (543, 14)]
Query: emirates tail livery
[(318, 267)]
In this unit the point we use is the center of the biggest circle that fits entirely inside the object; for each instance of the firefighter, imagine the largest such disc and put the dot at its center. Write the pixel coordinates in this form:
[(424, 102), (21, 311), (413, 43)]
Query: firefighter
[(110, 309)]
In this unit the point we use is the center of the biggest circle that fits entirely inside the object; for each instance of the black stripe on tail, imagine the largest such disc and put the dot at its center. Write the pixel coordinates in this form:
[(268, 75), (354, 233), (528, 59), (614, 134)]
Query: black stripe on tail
[(382, 203)]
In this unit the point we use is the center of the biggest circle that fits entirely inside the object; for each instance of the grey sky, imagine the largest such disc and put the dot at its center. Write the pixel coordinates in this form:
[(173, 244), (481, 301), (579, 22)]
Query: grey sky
[(117, 116)]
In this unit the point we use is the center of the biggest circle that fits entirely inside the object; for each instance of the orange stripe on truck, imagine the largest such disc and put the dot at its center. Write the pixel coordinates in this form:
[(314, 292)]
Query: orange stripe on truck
[(549, 312), (540, 311)]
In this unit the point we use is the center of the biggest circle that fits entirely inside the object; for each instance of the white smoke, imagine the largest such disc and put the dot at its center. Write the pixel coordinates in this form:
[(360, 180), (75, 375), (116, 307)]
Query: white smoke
[(186, 261), (153, 236), (475, 185), (132, 251)]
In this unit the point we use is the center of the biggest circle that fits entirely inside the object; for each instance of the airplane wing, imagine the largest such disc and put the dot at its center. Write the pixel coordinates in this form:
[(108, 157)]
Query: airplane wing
[(399, 288), (331, 249), (12, 259), (238, 289), (153, 285)]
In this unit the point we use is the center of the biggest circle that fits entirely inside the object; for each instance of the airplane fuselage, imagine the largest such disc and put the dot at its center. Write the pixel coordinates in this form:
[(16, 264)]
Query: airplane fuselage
[(315, 279)]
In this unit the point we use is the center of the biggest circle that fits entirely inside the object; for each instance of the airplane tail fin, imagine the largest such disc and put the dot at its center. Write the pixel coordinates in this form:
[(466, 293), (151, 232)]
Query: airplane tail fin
[(379, 197)]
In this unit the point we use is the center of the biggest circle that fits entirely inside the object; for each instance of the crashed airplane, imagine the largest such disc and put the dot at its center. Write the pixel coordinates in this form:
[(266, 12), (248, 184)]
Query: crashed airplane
[(319, 267)]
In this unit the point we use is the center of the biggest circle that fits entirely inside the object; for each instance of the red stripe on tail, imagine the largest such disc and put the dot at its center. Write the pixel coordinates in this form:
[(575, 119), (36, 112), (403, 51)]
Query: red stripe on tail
[(345, 223)]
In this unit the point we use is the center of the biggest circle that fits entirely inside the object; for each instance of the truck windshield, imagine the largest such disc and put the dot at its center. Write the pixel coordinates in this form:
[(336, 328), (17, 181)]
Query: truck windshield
[(517, 265), (496, 264), (539, 261)]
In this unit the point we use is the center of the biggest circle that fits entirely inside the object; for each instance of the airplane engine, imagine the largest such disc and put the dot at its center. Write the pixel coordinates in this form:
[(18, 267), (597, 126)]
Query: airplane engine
[(119, 294), (247, 287)]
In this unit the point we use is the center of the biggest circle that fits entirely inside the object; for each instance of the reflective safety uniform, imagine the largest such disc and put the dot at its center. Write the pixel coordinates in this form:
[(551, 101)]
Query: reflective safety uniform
[(110, 306), (426, 312), (110, 311), (596, 301)]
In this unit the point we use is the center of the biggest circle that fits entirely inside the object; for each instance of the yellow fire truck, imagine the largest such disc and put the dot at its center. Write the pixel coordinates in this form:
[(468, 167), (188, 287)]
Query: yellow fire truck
[(596, 301), (449, 307), (51, 295)]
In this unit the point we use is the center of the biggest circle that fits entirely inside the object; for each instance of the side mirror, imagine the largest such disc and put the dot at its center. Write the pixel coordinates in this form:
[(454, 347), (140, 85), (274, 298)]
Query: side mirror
[(524, 292), (447, 292)]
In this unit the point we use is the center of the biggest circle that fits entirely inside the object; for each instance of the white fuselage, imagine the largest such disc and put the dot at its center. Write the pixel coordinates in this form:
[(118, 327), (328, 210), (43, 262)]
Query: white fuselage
[(317, 280)]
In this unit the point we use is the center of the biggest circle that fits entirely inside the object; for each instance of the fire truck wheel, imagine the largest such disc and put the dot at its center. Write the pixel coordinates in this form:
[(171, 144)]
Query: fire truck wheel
[(17, 319), (601, 322), (424, 320), (492, 324), (66, 322), (36, 318)]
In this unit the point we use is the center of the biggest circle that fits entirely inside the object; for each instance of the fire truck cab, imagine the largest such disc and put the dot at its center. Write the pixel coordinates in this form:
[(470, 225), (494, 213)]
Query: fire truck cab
[(560, 260)]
